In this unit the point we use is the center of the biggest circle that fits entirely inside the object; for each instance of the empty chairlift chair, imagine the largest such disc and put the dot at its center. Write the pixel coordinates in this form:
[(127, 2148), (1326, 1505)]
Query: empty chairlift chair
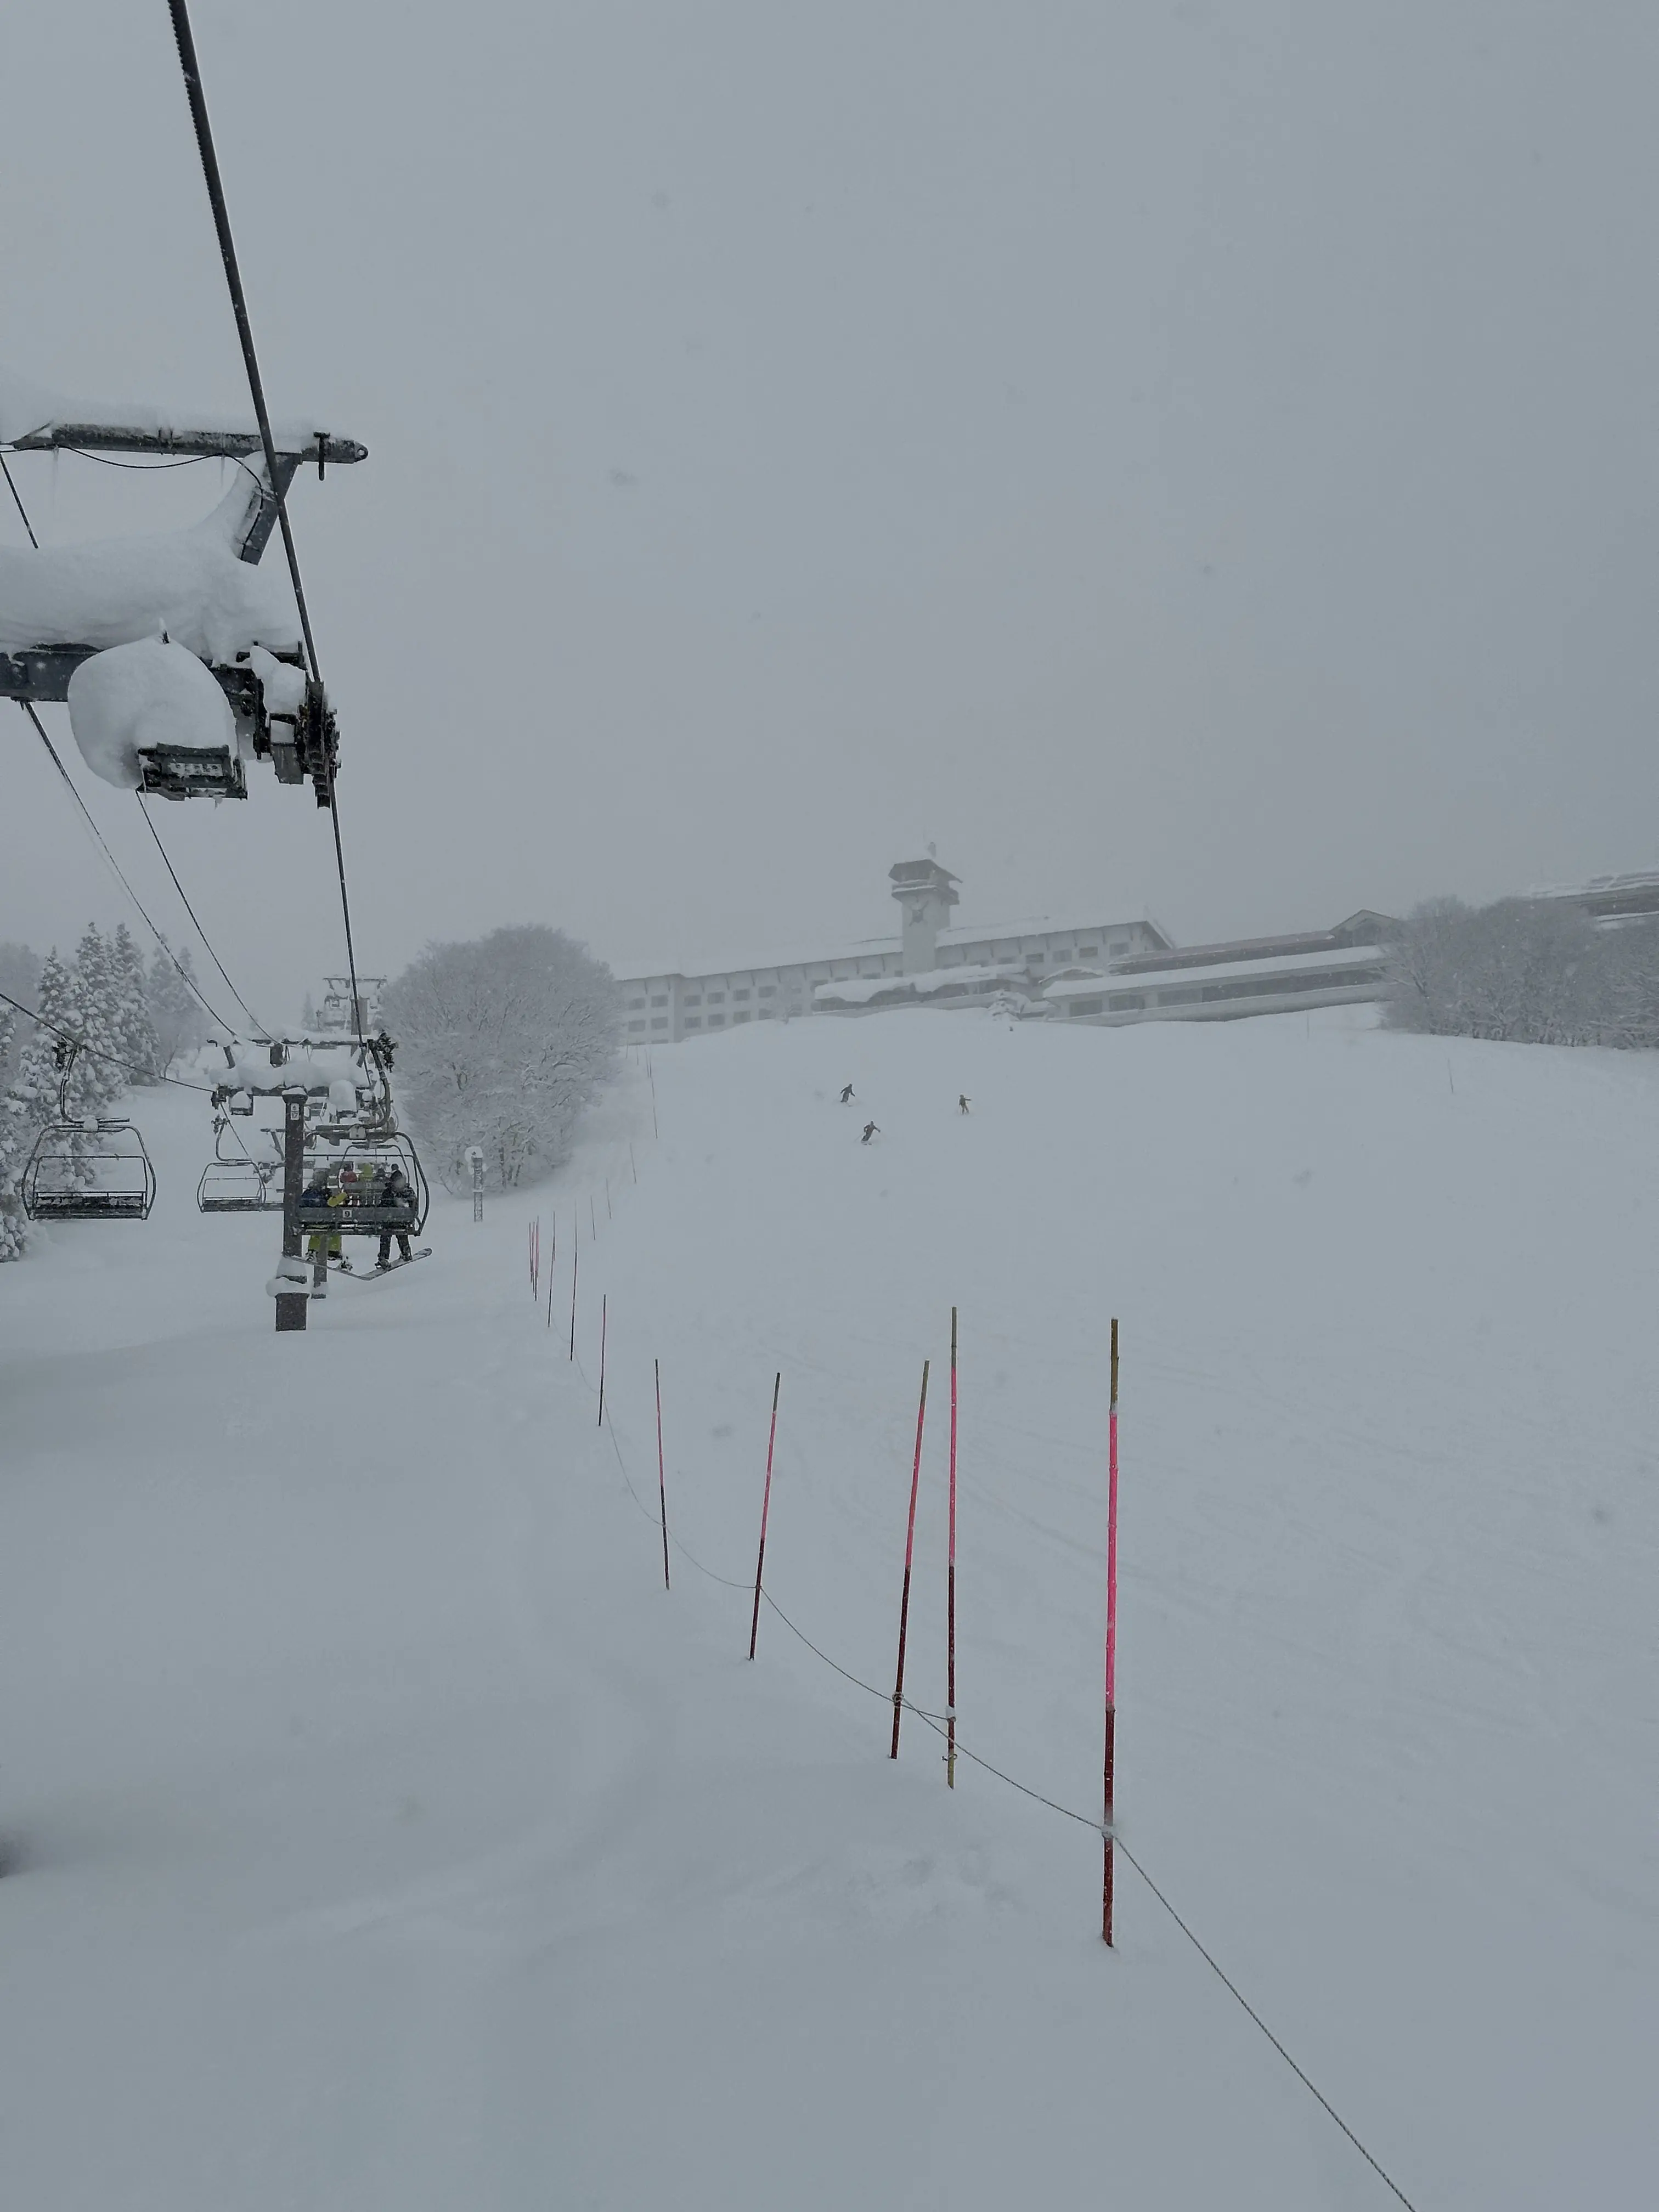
[(95, 1169), (236, 1182)]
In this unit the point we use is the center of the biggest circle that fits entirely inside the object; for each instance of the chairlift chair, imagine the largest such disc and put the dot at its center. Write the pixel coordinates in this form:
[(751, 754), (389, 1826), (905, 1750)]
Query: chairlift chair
[(344, 1185), (95, 1169), (240, 1187)]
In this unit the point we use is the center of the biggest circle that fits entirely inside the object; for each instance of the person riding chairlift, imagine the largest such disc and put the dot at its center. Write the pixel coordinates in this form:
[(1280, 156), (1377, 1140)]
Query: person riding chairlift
[(395, 1190)]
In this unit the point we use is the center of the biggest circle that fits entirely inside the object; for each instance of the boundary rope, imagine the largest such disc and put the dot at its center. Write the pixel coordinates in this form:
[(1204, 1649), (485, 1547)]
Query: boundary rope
[(937, 1722)]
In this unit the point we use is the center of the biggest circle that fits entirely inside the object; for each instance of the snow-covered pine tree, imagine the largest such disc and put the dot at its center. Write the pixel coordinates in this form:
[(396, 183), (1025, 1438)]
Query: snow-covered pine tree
[(36, 1090), (137, 1032), (176, 1013), (99, 1071), (16, 1135)]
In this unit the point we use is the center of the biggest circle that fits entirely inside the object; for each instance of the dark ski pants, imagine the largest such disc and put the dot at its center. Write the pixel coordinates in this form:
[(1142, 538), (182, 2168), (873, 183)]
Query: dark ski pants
[(404, 1252)]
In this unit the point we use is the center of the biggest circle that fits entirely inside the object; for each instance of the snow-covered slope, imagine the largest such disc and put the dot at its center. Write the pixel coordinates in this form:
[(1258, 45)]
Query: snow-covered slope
[(382, 1834)]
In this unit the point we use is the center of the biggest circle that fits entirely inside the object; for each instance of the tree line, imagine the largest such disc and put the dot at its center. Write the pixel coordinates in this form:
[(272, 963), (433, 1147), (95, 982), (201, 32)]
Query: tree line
[(1524, 971), (132, 1021)]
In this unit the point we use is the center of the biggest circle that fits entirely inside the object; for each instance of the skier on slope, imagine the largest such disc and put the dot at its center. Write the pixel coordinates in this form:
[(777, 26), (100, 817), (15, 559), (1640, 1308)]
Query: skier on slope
[(870, 1130), (395, 1190), (964, 1102), (847, 1094)]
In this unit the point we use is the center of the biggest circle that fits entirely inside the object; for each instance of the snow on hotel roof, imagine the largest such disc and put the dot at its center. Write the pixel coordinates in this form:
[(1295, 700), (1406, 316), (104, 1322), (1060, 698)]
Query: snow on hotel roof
[(1264, 971), (870, 948), (859, 990)]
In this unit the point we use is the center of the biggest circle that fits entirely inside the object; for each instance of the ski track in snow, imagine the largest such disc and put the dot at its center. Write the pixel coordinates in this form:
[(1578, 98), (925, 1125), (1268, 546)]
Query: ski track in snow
[(382, 1834)]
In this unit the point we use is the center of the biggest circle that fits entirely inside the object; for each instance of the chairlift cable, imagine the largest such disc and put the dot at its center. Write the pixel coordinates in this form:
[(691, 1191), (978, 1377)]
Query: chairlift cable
[(12, 488), (184, 39), (184, 896), (141, 1074), (185, 976)]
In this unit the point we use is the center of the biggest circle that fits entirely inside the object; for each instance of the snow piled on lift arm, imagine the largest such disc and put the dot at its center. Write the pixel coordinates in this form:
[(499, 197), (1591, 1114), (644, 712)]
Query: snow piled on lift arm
[(188, 585), (142, 694), (27, 408)]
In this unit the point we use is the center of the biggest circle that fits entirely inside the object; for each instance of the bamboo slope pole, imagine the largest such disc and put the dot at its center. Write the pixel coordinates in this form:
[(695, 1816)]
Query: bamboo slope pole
[(1109, 1777), (662, 1480), (950, 1587), (605, 1315), (909, 1553), (766, 1507)]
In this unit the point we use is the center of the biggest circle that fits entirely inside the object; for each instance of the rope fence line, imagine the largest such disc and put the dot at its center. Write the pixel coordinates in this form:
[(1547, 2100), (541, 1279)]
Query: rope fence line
[(937, 1723)]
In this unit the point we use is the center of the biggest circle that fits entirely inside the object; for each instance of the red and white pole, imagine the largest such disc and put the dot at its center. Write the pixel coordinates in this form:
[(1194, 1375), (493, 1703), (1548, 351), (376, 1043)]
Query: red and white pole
[(604, 1314), (950, 1587), (909, 1553), (662, 1479), (575, 1254), (766, 1507), (1111, 1643)]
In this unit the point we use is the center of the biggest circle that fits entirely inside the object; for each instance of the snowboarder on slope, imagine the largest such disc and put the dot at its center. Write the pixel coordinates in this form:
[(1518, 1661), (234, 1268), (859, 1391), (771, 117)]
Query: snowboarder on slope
[(870, 1130), (963, 1101), (395, 1190), (847, 1094)]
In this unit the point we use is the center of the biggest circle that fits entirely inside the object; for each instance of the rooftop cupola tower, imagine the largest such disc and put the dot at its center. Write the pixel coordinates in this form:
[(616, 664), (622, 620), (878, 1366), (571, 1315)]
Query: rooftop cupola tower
[(925, 893)]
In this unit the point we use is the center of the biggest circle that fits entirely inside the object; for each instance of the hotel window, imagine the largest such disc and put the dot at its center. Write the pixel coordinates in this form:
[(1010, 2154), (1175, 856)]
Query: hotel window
[(717, 1021), (1118, 944), (1090, 951), (659, 1021), (740, 1018), (769, 990), (740, 995), (637, 1025), (717, 998), (659, 1002), (695, 1022), (694, 999), (1084, 1007), (636, 1005)]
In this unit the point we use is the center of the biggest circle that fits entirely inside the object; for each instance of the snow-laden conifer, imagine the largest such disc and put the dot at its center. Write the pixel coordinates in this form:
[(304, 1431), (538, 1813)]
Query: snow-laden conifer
[(136, 1032), (175, 1013)]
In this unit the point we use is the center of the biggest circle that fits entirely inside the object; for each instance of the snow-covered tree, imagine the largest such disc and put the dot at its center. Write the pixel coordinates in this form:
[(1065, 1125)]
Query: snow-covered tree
[(16, 1135), (46, 1071), (176, 1013), (20, 978), (502, 1041), (1529, 971), (138, 1045), (99, 1024)]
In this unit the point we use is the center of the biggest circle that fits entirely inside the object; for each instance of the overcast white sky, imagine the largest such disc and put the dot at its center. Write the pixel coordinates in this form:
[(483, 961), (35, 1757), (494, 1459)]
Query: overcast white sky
[(1197, 458)]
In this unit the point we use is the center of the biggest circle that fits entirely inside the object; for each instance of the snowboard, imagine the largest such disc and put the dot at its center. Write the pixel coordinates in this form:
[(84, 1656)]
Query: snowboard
[(369, 1274)]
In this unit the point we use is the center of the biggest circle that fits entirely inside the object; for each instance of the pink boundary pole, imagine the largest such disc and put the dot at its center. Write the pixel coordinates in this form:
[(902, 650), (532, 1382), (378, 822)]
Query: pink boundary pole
[(604, 1315), (766, 1507), (662, 1480), (1109, 1777), (950, 1587), (575, 1254), (909, 1551)]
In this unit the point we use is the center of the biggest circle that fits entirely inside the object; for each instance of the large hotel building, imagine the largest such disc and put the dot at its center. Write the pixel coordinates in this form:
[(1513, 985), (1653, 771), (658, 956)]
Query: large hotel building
[(1095, 970)]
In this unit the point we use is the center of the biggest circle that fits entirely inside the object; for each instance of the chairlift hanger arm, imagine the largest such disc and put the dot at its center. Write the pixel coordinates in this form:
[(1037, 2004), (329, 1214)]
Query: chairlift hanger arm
[(319, 448)]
